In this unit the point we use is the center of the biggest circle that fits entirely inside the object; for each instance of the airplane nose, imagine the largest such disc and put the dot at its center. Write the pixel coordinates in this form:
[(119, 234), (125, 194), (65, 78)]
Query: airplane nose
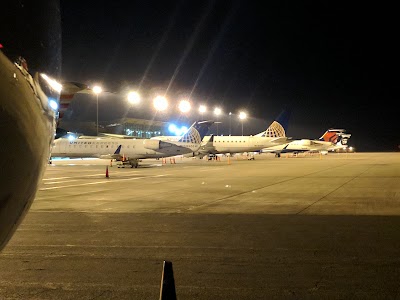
[(24, 147)]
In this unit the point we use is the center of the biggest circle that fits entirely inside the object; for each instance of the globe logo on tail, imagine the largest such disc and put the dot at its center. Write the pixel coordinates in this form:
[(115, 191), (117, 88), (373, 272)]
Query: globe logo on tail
[(275, 130)]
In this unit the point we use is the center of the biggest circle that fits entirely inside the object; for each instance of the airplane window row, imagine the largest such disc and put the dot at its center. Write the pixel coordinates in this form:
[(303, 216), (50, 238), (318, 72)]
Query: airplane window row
[(77, 143), (230, 141), (97, 146)]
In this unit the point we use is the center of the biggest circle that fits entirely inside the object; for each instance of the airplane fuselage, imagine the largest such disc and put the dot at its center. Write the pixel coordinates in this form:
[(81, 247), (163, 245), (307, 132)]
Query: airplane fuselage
[(131, 148), (304, 145), (27, 126), (238, 144)]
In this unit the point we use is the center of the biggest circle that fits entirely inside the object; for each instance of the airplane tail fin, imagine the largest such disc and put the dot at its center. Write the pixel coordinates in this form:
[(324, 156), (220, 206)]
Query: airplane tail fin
[(117, 154), (118, 151), (204, 142), (279, 126), (338, 137), (196, 132), (330, 136), (69, 89), (335, 135)]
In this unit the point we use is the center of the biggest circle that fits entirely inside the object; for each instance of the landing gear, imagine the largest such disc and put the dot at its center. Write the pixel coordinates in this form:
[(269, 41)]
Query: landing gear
[(277, 155), (250, 157), (134, 163)]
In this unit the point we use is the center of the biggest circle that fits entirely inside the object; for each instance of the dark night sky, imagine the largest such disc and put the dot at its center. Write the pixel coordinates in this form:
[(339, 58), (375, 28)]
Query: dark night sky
[(331, 63)]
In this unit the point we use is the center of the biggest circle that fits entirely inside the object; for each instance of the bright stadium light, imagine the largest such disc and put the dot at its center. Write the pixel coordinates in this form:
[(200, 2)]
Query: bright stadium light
[(172, 128), (133, 97), (230, 123), (97, 90), (160, 103), (202, 110), (217, 112), (184, 106), (184, 129), (53, 104), (242, 117), (71, 137), (176, 130)]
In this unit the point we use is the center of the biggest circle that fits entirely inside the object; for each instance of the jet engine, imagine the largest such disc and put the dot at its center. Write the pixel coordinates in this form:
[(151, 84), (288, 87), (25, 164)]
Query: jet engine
[(155, 144), (306, 142)]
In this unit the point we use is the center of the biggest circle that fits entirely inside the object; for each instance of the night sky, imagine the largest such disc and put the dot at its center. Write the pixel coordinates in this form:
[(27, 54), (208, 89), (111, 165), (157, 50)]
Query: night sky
[(332, 63)]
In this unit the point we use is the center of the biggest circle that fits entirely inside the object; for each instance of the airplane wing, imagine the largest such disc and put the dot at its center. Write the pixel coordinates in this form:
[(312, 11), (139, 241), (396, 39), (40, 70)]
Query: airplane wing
[(116, 155), (119, 136), (280, 140), (275, 149)]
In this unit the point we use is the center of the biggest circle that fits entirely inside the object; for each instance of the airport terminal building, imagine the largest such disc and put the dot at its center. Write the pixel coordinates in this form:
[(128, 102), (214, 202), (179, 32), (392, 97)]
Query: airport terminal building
[(139, 128)]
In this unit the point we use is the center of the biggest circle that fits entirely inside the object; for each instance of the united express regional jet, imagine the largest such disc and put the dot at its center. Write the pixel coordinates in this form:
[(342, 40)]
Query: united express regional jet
[(274, 135), (132, 150)]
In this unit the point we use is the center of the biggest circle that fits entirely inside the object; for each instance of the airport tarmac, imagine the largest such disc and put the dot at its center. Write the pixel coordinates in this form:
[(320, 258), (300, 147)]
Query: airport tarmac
[(306, 227)]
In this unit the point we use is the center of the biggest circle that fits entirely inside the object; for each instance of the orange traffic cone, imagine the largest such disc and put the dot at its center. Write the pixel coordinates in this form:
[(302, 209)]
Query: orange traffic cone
[(167, 289), (107, 172)]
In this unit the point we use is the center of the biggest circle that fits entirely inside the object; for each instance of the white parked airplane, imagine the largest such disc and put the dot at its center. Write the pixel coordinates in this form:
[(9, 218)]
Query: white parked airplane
[(130, 151), (331, 140), (274, 135)]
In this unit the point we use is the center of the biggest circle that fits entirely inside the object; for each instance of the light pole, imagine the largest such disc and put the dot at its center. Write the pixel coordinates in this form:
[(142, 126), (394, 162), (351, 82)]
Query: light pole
[(217, 112), (202, 110), (230, 123), (97, 90), (242, 116)]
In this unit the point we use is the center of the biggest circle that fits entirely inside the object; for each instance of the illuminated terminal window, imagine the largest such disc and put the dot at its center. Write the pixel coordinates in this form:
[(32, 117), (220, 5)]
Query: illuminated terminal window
[(143, 128)]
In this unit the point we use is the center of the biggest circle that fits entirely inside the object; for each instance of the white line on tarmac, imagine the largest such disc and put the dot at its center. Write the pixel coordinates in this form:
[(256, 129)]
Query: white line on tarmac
[(56, 178), (91, 175), (55, 182), (100, 182), (209, 169)]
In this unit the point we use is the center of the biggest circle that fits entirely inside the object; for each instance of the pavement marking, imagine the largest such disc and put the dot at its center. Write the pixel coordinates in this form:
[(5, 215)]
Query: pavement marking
[(55, 182), (91, 175), (100, 182), (209, 169), (56, 178)]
